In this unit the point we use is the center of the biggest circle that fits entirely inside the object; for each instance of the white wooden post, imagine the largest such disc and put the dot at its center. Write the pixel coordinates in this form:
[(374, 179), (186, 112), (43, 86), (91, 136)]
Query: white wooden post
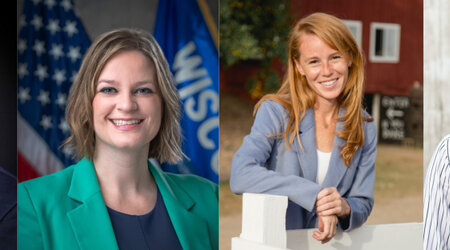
[(264, 220)]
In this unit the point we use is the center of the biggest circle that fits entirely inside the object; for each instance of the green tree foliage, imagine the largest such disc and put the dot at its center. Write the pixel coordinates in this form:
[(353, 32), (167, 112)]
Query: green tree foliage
[(255, 30)]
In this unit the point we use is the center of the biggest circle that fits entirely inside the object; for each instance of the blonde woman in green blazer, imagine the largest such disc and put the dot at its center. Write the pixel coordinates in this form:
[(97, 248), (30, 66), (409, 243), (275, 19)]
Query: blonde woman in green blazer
[(122, 110)]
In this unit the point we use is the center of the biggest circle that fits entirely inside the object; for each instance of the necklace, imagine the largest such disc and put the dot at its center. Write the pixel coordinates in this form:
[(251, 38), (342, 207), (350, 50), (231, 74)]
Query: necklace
[(326, 124)]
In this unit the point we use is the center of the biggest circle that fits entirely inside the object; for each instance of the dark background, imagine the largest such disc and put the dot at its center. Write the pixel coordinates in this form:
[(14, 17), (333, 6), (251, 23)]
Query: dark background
[(8, 96)]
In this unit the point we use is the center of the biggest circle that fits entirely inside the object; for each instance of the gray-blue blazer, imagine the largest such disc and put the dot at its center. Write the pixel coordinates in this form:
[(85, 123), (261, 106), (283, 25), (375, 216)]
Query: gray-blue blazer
[(263, 164)]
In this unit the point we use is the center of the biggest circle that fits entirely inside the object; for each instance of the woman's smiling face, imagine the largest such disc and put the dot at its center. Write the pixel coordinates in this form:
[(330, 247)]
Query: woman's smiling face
[(325, 69), (127, 106)]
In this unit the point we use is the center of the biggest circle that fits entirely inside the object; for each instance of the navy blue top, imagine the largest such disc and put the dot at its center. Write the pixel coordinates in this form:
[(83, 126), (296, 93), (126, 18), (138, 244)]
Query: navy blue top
[(149, 231), (8, 210)]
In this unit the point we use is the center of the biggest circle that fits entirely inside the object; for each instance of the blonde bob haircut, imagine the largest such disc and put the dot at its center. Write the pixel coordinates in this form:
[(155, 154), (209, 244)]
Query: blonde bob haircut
[(296, 96), (165, 147)]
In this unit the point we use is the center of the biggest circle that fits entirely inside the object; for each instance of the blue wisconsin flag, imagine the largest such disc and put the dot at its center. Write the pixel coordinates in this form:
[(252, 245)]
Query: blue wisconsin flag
[(51, 44), (184, 35)]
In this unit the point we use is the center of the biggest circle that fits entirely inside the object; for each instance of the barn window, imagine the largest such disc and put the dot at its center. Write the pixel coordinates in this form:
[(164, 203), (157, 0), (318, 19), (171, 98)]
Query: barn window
[(356, 28), (385, 42)]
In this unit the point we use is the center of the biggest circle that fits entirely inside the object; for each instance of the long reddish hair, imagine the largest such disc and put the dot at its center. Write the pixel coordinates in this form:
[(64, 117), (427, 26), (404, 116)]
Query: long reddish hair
[(296, 96)]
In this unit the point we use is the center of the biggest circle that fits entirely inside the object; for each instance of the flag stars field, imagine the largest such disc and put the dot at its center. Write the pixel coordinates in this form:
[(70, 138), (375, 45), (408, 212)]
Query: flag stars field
[(37, 22), (59, 76), (39, 47), (56, 51), (74, 76), (61, 100), (50, 3), (50, 44), (64, 126), (74, 53), (22, 22), (70, 28), (66, 5), (46, 122), (67, 152), (24, 94), (22, 70), (21, 46), (41, 72), (44, 97), (53, 26)]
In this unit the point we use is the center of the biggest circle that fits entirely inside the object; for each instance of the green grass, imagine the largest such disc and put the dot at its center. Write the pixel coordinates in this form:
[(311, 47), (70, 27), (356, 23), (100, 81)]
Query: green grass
[(399, 172)]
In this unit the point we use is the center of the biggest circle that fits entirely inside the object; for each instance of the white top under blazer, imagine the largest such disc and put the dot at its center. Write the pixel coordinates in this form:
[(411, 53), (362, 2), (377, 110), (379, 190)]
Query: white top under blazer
[(323, 159)]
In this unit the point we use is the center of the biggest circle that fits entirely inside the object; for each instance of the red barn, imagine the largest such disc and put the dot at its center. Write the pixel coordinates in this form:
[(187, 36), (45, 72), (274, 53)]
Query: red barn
[(390, 34), (383, 23)]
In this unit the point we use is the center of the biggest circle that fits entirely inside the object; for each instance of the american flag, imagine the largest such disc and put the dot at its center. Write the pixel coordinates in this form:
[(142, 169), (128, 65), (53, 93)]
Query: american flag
[(51, 44)]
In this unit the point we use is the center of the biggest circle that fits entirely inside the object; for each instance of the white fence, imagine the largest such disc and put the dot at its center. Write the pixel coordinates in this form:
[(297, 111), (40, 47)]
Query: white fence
[(263, 228)]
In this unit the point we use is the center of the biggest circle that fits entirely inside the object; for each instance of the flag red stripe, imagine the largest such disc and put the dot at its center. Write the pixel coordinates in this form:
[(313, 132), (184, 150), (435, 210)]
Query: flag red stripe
[(25, 171)]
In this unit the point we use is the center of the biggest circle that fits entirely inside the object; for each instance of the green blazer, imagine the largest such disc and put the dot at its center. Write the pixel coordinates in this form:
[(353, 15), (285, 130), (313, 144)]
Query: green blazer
[(66, 210)]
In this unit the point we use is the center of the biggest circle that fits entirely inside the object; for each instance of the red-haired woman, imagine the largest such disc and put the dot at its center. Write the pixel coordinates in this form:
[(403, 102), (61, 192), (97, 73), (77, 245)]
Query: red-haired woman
[(312, 141)]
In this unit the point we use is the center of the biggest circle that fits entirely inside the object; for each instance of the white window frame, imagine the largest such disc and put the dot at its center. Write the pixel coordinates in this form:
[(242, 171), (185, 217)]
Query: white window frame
[(357, 26), (395, 42)]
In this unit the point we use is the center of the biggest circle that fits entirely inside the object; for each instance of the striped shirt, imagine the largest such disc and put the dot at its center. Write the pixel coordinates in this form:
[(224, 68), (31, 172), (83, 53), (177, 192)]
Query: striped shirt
[(436, 199)]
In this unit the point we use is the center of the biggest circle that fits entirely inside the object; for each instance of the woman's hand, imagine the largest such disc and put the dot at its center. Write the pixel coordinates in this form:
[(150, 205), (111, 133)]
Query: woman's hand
[(330, 202), (327, 228)]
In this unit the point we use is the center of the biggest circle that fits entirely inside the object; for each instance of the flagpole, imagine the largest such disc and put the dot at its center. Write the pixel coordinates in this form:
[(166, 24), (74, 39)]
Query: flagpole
[(209, 21)]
